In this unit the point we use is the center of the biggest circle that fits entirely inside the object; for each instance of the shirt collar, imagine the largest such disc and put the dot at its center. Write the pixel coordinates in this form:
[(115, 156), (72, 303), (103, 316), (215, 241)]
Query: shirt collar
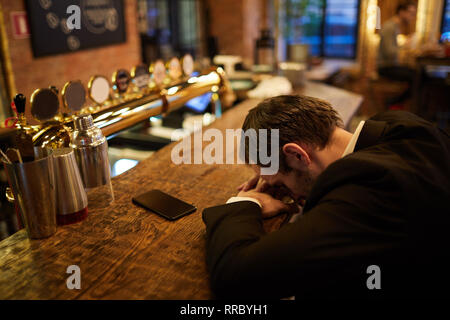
[(351, 145)]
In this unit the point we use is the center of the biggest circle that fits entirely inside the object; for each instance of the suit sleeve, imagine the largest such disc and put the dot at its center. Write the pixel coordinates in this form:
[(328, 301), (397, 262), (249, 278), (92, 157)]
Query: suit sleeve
[(244, 262)]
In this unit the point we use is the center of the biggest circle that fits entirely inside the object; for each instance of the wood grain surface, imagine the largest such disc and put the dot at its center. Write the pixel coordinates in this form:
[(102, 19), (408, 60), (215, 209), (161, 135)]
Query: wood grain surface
[(126, 252)]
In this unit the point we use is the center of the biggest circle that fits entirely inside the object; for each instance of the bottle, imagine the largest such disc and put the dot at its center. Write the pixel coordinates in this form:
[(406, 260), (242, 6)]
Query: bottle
[(91, 151), (265, 49)]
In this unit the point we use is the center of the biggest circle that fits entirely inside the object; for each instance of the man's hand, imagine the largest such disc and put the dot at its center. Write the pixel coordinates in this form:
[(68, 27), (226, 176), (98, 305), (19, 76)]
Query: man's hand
[(250, 184), (269, 206)]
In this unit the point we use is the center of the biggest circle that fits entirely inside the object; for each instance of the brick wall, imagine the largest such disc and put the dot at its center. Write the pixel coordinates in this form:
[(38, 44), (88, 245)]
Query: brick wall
[(236, 24), (253, 21), (31, 73)]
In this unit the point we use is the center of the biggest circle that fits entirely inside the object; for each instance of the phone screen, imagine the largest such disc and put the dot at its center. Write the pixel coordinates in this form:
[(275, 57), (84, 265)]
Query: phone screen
[(163, 204)]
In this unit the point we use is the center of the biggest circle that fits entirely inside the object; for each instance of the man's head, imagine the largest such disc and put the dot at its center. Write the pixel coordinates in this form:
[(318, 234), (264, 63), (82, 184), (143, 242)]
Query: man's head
[(407, 12), (305, 126)]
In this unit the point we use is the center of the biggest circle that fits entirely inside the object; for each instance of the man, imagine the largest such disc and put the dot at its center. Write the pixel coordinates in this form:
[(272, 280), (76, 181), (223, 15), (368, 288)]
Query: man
[(374, 198), (388, 53)]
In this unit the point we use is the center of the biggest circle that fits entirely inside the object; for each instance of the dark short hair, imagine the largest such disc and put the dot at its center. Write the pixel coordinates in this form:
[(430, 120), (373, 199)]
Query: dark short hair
[(404, 6), (299, 118)]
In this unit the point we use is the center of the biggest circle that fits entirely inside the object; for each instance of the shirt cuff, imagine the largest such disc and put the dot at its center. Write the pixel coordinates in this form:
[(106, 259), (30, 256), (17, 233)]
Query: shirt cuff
[(237, 199)]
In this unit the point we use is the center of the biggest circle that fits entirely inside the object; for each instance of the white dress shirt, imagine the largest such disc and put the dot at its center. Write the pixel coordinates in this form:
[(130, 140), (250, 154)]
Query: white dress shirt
[(352, 144)]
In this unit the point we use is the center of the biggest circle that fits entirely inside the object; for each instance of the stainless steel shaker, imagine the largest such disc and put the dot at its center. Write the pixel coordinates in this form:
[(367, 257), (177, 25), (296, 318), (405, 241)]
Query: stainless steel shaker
[(91, 151), (71, 198)]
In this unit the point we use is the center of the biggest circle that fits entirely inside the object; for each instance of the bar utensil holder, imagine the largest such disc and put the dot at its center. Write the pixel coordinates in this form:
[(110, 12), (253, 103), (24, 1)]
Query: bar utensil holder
[(33, 186)]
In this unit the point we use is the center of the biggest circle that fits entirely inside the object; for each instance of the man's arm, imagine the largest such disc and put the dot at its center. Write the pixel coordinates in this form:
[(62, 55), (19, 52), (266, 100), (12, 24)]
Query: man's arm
[(244, 262)]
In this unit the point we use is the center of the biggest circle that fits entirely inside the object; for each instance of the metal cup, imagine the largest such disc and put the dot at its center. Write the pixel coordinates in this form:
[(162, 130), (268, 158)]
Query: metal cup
[(33, 187), (71, 198)]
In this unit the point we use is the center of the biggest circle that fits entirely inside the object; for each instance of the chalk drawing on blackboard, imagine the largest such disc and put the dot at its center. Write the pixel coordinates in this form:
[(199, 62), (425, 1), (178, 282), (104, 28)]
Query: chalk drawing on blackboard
[(52, 20), (64, 26), (112, 20), (45, 4), (96, 14), (73, 43)]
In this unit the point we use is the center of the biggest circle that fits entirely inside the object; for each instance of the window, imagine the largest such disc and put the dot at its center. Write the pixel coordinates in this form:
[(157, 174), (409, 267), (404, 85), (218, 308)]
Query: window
[(445, 26), (168, 28), (329, 27)]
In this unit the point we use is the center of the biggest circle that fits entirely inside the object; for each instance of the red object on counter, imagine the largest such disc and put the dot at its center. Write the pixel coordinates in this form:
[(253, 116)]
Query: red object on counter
[(397, 107), (64, 219)]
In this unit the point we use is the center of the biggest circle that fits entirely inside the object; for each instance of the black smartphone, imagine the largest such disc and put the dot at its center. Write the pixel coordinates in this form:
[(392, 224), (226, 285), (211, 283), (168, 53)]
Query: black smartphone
[(163, 204)]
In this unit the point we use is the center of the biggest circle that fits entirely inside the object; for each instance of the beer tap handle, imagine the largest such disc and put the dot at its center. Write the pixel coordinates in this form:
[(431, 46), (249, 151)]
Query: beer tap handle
[(19, 102)]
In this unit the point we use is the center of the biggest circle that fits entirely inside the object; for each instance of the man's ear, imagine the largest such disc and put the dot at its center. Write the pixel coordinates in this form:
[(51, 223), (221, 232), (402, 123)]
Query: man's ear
[(296, 156)]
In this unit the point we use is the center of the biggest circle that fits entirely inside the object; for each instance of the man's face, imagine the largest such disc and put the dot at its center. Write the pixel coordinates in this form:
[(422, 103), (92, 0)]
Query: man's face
[(409, 15), (297, 183)]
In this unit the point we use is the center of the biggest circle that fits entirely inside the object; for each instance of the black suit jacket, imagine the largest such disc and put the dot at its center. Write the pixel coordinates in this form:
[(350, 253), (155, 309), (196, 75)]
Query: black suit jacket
[(386, 204)]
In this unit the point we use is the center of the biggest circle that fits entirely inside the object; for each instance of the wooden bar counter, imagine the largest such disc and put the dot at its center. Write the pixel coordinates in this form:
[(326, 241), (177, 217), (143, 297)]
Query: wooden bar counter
[(126, 252)]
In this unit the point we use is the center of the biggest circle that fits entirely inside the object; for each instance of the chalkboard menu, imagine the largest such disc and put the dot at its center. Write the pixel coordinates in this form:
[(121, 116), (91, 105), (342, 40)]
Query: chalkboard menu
[(101, 23)]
